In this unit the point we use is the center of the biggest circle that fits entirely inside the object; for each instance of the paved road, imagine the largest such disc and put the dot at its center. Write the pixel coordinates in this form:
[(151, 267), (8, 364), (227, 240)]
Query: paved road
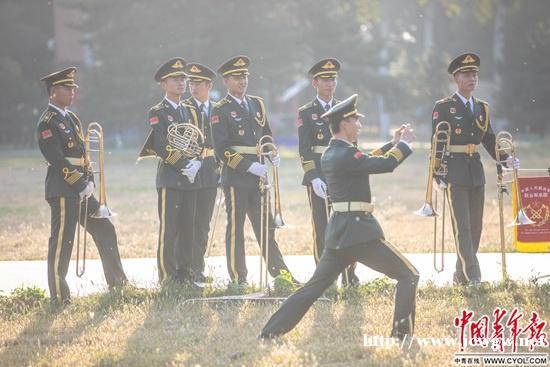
[(143, 272)]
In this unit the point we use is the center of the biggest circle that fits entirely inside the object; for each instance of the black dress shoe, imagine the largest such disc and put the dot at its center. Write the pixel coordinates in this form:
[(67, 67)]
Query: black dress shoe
[(353, 281), (200, 277), (266, 337), (458, 281), (475, 282)]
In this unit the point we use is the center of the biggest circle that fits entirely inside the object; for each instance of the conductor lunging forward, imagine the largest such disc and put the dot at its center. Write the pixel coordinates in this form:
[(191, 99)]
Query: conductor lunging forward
[(353, 233)]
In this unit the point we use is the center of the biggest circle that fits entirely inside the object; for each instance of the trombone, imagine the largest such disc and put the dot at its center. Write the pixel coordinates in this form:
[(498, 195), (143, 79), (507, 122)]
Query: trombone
[(504, 148), (266, 147), (93, 142), (441, 140)]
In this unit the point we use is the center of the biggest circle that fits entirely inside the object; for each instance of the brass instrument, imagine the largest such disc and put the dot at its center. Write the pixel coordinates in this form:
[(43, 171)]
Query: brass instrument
[(93, 136), (186, 138), (504, 147), (218, 204), (437, 167), (266, 147)]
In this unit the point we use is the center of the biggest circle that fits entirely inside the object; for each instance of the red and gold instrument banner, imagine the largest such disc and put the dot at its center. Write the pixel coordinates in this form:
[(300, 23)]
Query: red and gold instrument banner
[(535, 197)]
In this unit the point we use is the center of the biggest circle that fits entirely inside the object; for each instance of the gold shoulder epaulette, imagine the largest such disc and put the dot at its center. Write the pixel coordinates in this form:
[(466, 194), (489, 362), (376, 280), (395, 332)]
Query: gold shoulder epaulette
[(306, 106), (482, 101), (157, 107), (256, 97), (221, 102), (47, 116), (444, 100)]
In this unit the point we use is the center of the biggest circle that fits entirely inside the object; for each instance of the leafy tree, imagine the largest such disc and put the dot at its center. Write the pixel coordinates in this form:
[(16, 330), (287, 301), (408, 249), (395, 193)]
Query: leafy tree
[(525, 70), (26, 28)]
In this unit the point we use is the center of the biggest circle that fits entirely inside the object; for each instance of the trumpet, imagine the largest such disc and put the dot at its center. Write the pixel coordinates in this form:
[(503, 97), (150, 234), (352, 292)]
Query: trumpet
[(437, 167), (267, 147), (504, 147), (93, 142)]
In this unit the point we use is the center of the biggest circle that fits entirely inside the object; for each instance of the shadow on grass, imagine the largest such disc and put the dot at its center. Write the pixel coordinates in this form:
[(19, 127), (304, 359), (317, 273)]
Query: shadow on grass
[(37, 337)]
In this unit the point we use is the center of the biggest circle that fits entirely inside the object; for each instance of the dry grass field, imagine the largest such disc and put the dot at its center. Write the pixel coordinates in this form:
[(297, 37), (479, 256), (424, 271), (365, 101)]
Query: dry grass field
[(25, 215), (156, 328)]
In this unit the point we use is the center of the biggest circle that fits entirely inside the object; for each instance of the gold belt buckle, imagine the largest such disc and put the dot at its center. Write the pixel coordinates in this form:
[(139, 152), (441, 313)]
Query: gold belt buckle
[(470, 149)]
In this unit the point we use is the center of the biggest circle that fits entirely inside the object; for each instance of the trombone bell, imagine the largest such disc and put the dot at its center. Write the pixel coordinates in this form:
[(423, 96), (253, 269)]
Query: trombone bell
[(279, 223), (427, 210), (103, 212), (521, 219)]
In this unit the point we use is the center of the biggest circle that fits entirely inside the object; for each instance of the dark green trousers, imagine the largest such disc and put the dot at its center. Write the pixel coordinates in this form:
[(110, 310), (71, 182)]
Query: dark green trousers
[(206, 200), (176, 209), (319, 224), (240, 202), (466, 203), (379, 255), (64, 217)]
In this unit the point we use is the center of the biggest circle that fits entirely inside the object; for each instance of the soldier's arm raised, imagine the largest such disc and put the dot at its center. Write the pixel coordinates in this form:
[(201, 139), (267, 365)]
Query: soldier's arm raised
[(357, 161)]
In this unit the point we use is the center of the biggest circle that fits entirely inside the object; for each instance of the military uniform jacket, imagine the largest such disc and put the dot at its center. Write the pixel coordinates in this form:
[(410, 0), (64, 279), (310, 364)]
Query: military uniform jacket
[(347, 171), (209, 172), (466, 128), (60, 139), (233, 126), (171, 160), (313, 131)]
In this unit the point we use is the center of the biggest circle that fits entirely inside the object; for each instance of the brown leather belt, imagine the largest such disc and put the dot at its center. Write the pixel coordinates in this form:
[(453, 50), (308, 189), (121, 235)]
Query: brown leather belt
[(353, 206)]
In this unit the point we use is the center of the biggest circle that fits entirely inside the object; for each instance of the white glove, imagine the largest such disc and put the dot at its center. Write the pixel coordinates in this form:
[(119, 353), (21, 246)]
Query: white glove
[(319, 187), (258, 169), (275, 160), (87, 192), (191, 170), (408, 135), (511, 163)]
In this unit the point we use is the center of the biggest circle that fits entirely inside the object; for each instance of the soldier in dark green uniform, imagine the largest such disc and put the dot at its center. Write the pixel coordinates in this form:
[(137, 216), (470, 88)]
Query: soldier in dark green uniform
[(177, 181), (238, 122), (68, 181), (200, 83), (313, 138), (465, 183), (353, 233)]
